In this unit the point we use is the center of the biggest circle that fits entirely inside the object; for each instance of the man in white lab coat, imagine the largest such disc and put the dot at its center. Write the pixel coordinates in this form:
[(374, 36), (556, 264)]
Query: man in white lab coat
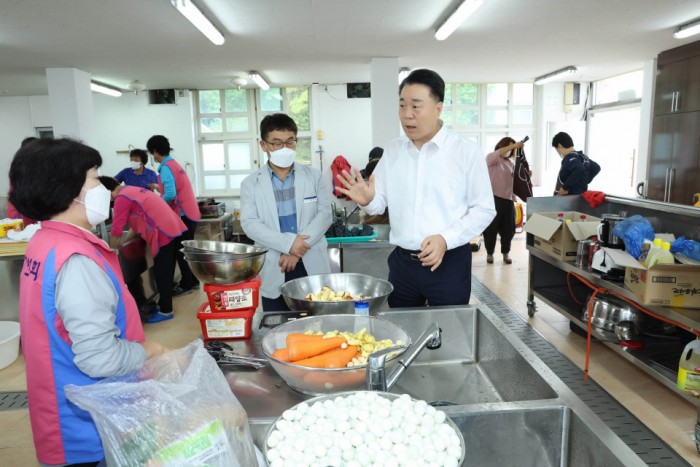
[(286, 207)]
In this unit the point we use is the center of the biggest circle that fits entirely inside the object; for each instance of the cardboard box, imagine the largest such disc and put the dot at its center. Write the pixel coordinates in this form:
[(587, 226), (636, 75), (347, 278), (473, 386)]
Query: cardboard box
[(668, 285), (560, 239)]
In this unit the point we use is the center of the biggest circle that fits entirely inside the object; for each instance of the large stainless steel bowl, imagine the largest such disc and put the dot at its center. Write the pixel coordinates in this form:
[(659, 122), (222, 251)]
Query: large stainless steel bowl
[(387, 395), (230, 271), (221, 250), (316, 381), (377, 290)]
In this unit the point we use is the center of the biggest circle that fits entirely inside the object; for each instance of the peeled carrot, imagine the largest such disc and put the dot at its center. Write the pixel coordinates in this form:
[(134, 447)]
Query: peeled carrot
[(302, 338), (281, 354), (336, 358), (299, 350)]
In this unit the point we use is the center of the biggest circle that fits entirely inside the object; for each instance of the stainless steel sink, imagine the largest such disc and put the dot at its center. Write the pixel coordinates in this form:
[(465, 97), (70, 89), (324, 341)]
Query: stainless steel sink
[(532, 436), (475, 364)]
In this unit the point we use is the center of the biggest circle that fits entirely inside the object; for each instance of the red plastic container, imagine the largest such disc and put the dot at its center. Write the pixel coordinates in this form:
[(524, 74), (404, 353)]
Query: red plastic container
[(225, 325), (234, 297)]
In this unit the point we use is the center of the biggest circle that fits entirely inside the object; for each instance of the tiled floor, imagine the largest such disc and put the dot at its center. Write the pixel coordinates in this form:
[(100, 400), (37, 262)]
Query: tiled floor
[(666, 413)]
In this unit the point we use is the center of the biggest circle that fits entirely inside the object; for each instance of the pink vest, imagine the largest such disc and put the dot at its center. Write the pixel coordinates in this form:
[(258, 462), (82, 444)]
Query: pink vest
[(147, 215), (63, 433), (184, 196)]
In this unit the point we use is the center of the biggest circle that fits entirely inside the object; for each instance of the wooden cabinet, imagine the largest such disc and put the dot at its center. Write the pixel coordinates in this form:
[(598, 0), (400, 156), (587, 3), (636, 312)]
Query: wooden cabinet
[(674, 171), (678, 80), (677, 87), (674, 156)]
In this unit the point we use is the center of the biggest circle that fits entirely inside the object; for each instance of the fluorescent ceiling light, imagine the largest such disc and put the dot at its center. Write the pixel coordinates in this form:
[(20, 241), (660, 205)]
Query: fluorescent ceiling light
[(195, 16), (687, 30), (457, 17), (403, 73), (569, 70), (259, 80), (97, 87)]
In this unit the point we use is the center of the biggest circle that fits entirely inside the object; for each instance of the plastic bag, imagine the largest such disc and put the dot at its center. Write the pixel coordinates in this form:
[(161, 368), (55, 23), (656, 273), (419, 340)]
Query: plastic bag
[(176, 410), (633, 231), (688, 248)]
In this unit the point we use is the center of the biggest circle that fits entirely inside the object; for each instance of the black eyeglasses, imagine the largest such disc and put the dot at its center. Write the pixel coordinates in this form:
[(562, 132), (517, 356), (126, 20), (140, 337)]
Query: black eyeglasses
[(291, 143)]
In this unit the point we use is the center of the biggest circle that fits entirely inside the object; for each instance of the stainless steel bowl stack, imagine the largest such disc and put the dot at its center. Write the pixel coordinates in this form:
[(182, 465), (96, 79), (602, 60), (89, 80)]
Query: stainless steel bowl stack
[(295, 291), (215, 262)]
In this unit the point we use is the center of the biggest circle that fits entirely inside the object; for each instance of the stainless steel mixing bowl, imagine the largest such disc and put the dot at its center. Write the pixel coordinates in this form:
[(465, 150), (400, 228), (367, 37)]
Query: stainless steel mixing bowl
[(231, 271), (220, 250), (377, 290), (316, 381)]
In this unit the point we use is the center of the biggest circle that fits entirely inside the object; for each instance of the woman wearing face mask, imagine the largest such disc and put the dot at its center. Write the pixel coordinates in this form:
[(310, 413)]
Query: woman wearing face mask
[(285, 207), (137, 174), (501, 166), (78, 322)]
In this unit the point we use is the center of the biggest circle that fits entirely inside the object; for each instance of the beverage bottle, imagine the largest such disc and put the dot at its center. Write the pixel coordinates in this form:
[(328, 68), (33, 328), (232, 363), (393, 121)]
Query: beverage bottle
[(560, 217), (582, 218), (664, 256), (653, 251), (362, 307), (646, 246)]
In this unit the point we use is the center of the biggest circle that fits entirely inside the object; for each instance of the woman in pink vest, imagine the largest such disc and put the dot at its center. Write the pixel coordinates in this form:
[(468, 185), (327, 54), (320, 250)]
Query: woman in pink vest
[(148, 215), (78, 322), (176, 190)]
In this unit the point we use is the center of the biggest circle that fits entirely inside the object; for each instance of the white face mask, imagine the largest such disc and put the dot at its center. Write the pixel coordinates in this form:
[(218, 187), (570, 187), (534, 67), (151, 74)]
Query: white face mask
[(96, 203), (509, 154), (135, 165), (283, 157)]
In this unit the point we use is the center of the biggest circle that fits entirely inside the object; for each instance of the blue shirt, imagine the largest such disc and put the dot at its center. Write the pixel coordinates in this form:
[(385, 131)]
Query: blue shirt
[(168, 180), (129, 177), (286, 201)]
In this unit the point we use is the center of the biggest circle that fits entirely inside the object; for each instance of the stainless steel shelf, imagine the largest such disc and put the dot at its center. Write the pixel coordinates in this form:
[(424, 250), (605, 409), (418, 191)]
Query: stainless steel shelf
[(687, 316)]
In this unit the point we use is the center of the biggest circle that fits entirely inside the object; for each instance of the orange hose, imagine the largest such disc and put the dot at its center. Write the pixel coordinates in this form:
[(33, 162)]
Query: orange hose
[(597, 290)]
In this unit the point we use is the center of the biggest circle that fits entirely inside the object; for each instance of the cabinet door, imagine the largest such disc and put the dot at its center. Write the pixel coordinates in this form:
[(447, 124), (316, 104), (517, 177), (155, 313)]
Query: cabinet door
[(677, 87), (669, 80), (662, 138), (684, 179)]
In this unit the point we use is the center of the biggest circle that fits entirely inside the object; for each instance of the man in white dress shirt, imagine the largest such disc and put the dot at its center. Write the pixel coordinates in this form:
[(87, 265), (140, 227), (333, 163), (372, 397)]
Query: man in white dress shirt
[(436, 186)]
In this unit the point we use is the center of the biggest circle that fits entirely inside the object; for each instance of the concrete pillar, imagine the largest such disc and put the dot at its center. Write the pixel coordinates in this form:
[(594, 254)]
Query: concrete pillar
[(385, 100), (70, 98)]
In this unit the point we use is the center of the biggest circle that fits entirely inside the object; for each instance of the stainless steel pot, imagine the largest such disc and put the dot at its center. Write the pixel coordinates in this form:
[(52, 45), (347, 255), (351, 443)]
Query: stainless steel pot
[(608, 311)]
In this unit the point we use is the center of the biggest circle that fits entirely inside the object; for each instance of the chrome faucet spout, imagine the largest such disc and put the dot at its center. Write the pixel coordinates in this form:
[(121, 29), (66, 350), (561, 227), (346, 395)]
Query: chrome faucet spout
[(377, 380)]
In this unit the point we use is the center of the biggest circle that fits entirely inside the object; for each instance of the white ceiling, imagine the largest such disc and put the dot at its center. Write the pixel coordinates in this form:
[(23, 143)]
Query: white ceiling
[(328, 41)]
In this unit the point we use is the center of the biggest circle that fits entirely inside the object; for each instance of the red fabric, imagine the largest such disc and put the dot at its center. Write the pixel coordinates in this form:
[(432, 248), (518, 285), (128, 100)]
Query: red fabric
[(594, 198), (339, 164)]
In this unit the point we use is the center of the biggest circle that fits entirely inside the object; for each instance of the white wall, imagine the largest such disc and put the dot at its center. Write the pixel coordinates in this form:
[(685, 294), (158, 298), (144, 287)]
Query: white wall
[(15, 125)]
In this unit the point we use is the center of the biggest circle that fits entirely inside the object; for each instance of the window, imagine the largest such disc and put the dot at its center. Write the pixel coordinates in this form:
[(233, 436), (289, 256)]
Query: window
[(228, 133), (619, 88), (485, 113)]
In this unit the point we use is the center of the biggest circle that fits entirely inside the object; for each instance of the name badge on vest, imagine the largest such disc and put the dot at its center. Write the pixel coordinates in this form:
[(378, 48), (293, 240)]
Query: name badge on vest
[(311, 199)]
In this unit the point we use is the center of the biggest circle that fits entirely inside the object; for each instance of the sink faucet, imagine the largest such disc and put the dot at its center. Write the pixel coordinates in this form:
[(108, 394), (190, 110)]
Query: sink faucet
[(377, 380)]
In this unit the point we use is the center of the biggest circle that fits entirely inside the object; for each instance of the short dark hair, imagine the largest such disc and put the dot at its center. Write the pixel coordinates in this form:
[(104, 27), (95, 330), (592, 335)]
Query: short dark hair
[(505, 141), (140, 153), (428, 78), (278, 122), (109, 182), (159, 143), (564, 139), (48, 174), (28, 140)]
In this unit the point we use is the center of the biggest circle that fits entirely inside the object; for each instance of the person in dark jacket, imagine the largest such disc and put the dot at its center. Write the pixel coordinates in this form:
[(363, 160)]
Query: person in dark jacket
[(576, 171)]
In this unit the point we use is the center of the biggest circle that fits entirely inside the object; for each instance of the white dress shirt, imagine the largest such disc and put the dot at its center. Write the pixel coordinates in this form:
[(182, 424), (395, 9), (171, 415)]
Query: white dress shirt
[(443, 188)]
